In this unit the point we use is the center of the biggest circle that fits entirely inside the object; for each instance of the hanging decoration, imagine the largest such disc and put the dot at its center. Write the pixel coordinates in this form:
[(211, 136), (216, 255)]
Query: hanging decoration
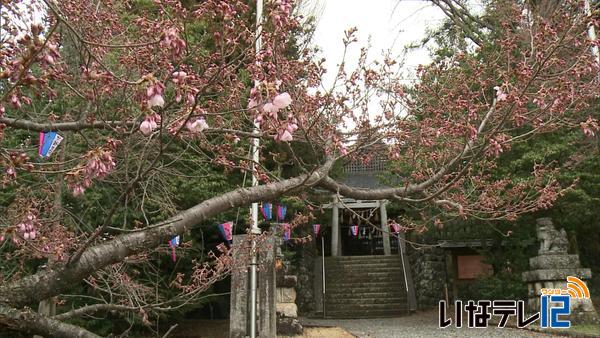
[(48, 143), (225, 230), (281, 210), (354, 230), (395, 227), (316, 229), (287, 232), (173, 244), (266, 209)]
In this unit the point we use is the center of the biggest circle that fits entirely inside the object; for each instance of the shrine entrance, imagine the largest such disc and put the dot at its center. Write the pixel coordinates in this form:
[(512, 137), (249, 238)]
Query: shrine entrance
[(360, 228)]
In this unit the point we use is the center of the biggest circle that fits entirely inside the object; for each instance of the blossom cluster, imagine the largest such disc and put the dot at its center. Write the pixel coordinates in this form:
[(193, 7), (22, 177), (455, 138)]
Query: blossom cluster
[(100, 163)]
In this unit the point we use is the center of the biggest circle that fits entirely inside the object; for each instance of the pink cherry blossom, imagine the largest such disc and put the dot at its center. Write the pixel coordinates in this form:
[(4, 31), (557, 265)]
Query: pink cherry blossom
[(197, 126), (590, 127), (292, 127), (270, 108), (78, 190), (252, 103), (146, 127), (282, 100), (11, 172), (284, 136), (179, 77), (500, 94), (156, 100), (171, 41), (14, 99), (154, 93), (27, 228), (149, 124)]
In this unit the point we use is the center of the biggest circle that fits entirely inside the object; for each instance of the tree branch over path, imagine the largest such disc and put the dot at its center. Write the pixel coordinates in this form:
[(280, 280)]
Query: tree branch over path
[(48, 283), (31, 322)]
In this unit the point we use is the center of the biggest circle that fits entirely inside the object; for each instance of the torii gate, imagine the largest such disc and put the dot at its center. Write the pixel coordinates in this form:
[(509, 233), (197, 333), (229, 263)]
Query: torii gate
[(349, 203)]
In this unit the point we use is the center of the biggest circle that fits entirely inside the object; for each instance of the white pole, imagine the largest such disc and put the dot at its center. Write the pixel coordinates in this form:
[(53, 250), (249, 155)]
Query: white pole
[(592, 31), (255, 159)]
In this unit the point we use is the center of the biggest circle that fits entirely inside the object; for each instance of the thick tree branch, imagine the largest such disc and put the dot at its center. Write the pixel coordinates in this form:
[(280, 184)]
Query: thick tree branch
[(62, 126), (81, 125), (30, 322), (93, 309), (48, 283)]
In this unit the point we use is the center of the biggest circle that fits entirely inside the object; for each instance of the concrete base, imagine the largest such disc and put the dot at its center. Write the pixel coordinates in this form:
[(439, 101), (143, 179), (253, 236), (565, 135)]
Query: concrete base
[(551, 272), (266, 312)]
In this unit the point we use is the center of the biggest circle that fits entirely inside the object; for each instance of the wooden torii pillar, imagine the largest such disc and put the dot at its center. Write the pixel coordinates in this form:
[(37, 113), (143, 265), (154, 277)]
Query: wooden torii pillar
[(385, 228), (335, 228)]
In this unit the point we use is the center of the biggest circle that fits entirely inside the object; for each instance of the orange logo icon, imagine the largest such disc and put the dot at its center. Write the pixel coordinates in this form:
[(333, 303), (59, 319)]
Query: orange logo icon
[(576, 288)]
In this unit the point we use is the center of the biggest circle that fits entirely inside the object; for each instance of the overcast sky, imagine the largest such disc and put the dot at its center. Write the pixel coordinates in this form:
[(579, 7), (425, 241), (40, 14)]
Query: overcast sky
[(387, 23)]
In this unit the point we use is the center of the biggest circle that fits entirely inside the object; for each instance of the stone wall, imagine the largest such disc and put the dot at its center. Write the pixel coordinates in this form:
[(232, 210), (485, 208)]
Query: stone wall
[(302, 265), (428, 272)]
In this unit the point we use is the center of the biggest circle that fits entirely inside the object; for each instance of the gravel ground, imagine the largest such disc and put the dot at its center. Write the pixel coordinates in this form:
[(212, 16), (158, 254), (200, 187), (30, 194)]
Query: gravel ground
[(423, 324)]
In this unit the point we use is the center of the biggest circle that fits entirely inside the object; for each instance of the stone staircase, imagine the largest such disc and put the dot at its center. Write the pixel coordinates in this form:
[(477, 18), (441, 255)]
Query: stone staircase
[(364, 286)]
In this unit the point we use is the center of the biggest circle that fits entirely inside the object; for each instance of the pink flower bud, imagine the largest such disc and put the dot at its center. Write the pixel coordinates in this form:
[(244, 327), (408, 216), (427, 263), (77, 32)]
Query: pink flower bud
[(500, 94), (252, 103), (292, 127), (150, 91), (32, 234), (48, 58), (282, 100), (26, 235), (197, 126), (284, 136), (156, 100), (190, 98), (148, 126), (78, 190), (269, 108), (179, 77)]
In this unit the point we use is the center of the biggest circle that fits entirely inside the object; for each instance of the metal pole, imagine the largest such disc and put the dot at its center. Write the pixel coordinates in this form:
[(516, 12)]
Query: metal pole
[(255, 230), (404, 272), (323, 264), (592, 31)]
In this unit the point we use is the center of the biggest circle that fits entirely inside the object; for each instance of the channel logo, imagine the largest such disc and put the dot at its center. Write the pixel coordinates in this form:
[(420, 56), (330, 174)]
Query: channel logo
[(576, 288), (555, 305)]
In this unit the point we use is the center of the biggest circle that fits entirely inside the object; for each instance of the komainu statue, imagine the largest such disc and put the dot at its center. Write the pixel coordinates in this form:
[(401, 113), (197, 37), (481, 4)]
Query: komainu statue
[(552, 241)]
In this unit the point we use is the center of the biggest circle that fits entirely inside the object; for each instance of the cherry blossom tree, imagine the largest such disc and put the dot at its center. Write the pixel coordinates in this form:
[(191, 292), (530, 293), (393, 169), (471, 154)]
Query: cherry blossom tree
[(140, 90)]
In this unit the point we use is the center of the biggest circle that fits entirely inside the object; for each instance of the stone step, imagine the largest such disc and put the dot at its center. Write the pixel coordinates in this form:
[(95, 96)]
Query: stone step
[(358, 308), (352, 301), (362, 280), (364, 273), (373, 257), (364, 287), (361, 268), (367, 291), (368, 259), (366, 313), (363, 261)]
